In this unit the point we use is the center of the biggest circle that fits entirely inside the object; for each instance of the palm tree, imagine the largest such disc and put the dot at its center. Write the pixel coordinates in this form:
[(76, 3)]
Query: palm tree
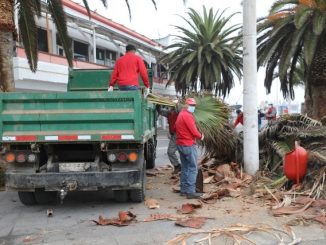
[(207, 55), (294, 30), (27, 10)]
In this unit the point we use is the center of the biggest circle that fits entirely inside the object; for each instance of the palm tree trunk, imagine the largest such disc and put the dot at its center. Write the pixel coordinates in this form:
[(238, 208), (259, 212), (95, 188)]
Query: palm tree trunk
[(7, 29), (315, 94)]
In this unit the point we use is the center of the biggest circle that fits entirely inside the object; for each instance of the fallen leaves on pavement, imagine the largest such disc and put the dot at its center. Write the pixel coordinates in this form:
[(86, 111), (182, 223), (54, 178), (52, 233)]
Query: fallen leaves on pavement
[(154, 217), (124, 219), (237, 233), (152, 203), (189, 208), (193, 222)]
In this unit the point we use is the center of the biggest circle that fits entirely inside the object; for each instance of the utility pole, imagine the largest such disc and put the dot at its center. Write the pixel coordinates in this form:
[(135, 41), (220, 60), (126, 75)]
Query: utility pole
[(250, 143)]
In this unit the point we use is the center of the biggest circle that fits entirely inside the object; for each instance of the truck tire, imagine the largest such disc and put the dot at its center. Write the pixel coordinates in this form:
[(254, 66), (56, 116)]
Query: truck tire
[(120, 195), (27, 198), (45, 197), (138, 195), (150, 154)]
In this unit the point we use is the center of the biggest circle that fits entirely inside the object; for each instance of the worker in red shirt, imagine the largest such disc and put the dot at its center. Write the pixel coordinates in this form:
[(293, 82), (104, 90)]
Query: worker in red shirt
[(172, 114), (127, 70), (187, 133), (239, 118), (271, 113)]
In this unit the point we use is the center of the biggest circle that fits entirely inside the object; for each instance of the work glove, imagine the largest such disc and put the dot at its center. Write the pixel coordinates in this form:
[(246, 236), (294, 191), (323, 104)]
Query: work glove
[(147, 91), (110, 89)]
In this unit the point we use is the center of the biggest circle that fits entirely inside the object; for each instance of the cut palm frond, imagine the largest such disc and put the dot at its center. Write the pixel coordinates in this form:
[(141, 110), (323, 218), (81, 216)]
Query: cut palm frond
[(160, 100), (277, 139), (212, 119)]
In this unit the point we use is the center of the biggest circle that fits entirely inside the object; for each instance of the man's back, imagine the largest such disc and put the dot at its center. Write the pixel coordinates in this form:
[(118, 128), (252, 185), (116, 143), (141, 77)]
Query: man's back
[(127, 70)]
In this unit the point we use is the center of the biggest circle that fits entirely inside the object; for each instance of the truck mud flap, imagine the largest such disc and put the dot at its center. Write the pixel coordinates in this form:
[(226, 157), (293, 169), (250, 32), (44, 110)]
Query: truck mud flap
[(130, 179)]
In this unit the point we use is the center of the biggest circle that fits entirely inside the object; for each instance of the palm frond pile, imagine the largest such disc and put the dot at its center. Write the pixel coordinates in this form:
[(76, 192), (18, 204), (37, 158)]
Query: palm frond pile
[(212, 119), (278, 139)]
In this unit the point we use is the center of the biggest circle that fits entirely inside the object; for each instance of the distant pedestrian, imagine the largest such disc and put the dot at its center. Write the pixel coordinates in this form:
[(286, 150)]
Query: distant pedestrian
[(187, 133), (271, 113), (171, 114), (239, 118)]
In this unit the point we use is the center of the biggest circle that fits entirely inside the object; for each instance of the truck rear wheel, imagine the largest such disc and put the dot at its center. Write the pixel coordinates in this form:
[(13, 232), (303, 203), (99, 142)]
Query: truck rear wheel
[(138, 195), (45, 197), (27, 198), (150, 154)]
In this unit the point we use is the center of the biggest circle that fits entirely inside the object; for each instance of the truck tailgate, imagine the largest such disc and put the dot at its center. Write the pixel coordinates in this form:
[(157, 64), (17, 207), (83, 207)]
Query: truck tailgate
[(73, 116)]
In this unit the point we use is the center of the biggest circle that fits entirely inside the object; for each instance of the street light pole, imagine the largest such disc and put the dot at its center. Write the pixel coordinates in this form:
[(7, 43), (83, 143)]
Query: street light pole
[(250, 143)]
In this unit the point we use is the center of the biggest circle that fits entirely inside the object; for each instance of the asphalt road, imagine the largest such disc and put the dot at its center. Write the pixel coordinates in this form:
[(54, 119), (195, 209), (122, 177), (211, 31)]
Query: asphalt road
[(71, 222)]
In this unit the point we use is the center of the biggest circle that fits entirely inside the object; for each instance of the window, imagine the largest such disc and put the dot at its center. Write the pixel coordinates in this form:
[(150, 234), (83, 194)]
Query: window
[(42, 40), (100, 56), (80, 51), (111, 57)]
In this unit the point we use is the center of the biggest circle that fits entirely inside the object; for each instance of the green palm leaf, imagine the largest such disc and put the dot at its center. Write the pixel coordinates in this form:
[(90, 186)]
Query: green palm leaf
[(207, 54), (28, 29)]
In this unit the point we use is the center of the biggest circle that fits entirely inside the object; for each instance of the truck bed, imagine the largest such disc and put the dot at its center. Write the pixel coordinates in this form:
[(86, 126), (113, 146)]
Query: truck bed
[(75, 116)]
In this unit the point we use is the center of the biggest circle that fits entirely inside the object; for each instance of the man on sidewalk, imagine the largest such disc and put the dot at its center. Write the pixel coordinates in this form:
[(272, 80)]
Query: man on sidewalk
[(187, 133), (126, 71), (171, 114)]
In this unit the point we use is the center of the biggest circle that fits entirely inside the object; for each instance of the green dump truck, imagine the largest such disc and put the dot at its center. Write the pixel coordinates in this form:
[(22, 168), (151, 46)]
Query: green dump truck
[(82, 140)]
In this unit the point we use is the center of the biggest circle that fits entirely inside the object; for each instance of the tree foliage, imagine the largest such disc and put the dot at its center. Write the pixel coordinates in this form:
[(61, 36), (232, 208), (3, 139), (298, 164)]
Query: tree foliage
[(293, 31), (207, 55)]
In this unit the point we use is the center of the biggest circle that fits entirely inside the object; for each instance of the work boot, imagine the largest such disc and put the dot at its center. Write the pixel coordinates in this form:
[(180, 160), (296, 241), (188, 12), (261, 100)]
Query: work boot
[(194, 195), (177, 169)]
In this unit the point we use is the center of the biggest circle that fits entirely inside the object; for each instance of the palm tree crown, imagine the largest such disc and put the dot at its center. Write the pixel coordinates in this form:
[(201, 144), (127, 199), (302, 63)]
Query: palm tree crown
[(294, 30), (207, 55)]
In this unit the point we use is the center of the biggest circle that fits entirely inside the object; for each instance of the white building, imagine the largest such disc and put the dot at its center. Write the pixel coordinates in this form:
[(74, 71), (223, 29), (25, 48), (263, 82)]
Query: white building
[(97, 42)]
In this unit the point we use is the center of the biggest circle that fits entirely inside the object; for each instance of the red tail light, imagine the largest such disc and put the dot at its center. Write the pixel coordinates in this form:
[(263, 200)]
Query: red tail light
[(122, 157), (21, 157)]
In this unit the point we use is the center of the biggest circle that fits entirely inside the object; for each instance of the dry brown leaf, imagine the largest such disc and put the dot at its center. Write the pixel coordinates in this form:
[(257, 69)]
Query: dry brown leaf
[(321, 219), (225, 170), (152, 203), (154, 217), (189, 207), (194, 222), (290, 210), (208, 179), (125, 217)]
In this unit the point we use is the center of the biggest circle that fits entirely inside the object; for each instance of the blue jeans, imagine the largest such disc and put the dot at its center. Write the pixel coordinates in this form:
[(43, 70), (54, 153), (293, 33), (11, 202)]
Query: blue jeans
[(188, 157), (126, 88)]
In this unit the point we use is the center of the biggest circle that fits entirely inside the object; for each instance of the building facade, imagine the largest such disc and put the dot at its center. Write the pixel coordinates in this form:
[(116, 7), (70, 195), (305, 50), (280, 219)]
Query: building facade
[(97, 42)]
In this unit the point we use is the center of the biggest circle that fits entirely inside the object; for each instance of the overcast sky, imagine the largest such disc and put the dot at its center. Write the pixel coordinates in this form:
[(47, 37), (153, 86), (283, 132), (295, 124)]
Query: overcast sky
[(159, 23)]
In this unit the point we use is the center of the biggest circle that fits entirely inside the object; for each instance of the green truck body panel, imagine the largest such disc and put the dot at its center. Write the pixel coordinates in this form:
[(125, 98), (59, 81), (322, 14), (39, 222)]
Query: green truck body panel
[(95, 79), (91, 113)]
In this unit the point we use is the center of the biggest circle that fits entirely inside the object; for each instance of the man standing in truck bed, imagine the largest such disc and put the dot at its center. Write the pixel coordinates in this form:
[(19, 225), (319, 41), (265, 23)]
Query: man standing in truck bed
[(127, 69)]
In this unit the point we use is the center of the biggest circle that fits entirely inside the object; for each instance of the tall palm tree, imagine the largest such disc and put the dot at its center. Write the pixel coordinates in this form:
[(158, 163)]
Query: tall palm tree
[(27, 10), (294, 30), (205, 56)]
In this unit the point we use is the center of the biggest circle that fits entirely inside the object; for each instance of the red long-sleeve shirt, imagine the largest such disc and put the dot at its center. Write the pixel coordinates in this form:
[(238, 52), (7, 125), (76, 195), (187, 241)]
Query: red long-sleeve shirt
[(127, 69), (238, 120), (186, 129)]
